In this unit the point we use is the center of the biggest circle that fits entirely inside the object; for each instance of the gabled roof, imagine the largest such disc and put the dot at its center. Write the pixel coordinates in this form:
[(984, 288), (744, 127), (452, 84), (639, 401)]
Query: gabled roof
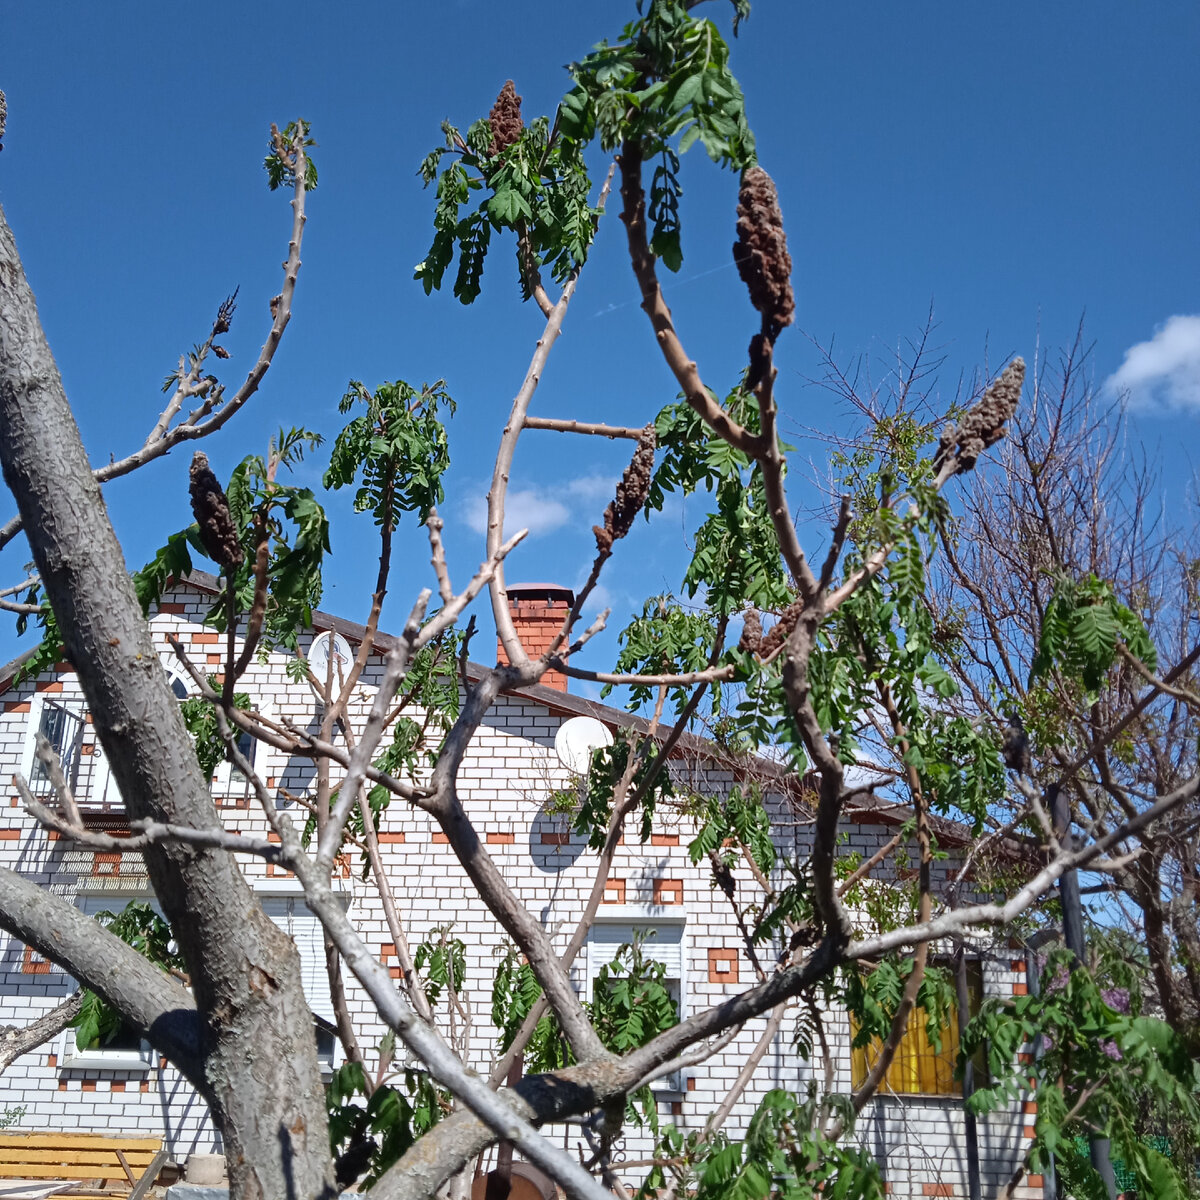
[(863, 807)]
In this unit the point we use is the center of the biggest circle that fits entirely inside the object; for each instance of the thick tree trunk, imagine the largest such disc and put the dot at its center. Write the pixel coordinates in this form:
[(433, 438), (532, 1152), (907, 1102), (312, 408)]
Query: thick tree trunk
[(259, 1050)]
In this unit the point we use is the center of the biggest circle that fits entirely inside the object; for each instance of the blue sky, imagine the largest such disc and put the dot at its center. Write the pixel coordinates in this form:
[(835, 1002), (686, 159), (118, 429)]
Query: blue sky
[(1012, 165)]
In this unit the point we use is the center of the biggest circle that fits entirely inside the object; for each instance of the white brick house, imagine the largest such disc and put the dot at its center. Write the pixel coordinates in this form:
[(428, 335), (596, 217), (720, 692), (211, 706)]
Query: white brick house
[(507, 777)]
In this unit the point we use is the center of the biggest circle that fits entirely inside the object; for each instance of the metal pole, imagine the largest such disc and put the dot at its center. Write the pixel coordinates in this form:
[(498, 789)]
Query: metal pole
[(1072, 905), (970, 1130), (1034, 980)]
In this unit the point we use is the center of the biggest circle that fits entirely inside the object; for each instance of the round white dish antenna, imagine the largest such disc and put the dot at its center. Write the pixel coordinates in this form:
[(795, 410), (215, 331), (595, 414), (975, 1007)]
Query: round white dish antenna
[(323, 646), (576, 739)]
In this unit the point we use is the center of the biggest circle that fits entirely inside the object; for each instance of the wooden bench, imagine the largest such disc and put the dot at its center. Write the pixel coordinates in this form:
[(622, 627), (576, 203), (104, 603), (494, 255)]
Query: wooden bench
[(85, 1164)]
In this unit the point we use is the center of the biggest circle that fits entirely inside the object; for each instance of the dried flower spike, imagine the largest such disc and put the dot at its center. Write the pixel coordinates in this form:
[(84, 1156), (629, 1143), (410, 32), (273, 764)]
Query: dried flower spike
[(631, 493), (984, 424), (505, 118), (761, 252), (211, 509), (3, 118)]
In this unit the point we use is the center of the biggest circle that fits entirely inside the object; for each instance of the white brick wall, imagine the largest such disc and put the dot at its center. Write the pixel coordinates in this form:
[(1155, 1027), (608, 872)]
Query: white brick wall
[(507, 775)]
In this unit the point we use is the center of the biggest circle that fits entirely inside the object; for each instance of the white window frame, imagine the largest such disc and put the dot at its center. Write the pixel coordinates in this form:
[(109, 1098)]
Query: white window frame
[(100, 780), (616, 925), (100, 1058), (228, 783), (288, 901)]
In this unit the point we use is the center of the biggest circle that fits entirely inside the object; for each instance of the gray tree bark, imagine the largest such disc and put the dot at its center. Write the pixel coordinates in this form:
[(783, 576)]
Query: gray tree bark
[(259, 1056)]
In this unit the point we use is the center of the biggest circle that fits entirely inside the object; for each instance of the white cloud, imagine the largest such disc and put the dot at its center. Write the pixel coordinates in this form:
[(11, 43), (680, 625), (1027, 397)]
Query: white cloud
[(1165, 371), (545, 509), (596, 489), (526, 508)]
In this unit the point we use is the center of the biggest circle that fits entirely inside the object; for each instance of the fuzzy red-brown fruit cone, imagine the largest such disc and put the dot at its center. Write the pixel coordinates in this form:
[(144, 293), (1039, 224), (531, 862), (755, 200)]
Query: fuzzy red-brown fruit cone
[(761, 251), (505, 118)]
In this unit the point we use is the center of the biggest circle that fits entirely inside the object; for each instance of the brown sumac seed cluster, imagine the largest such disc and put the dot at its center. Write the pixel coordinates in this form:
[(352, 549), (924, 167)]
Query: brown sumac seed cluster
[(631, 493), (505, 118), (761, 252), (211, 509), (984, 424)]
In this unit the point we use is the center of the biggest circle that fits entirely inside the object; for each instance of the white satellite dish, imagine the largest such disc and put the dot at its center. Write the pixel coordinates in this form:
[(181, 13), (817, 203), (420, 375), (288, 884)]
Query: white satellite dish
[(323, 646), (576, 739)]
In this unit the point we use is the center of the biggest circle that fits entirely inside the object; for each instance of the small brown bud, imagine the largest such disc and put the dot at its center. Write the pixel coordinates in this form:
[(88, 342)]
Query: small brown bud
[(761, 253), (631, 494), (211, 509), (220, 351), (505, 118)]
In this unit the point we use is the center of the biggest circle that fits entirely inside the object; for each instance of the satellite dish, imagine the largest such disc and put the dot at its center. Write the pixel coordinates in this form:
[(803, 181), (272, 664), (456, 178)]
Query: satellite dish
[(324, 645), (576, 739)]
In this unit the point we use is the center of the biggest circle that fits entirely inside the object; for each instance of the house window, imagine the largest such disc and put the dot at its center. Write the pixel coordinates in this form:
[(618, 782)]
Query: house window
[(919, 1068), (127, 1050), (298, 921), (229, 785), (65, 726), (661, 941)]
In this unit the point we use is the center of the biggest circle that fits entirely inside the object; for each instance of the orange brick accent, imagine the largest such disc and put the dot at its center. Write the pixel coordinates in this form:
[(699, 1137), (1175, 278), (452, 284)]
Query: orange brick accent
[(1024, 1057), (614, 892), (53, 685), (722, 965), (501, 839), (691, 1083), (10, 835), (342, 862), (87, 1085), (556, 839), (677, 1108), (273, 838), (87, 750), (172, 606), (205, 639), (33, 963), (1030, 1106), (52, 1060), (1018, 965), (106, 864), (1029, 1131), (17, 706), (668, 891), (118, 1085), (274, 871), (1034, 1181), (664, 839), (212, 659), (1020, 988), (387, 951), (440, 838), (145, 1086), (391, 839), (937, 1189), (62, 1085)]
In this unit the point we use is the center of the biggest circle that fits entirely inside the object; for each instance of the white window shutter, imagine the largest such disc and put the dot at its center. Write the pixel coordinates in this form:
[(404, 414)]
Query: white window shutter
[(661, 943), (293, 916)]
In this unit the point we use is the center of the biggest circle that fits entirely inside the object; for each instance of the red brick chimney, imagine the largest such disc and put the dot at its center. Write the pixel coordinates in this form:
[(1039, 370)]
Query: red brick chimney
[(538, 610)]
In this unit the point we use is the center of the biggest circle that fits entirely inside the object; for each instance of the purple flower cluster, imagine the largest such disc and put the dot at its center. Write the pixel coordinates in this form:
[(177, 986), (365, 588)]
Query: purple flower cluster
[(1110, 1049), (1117, 999)]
